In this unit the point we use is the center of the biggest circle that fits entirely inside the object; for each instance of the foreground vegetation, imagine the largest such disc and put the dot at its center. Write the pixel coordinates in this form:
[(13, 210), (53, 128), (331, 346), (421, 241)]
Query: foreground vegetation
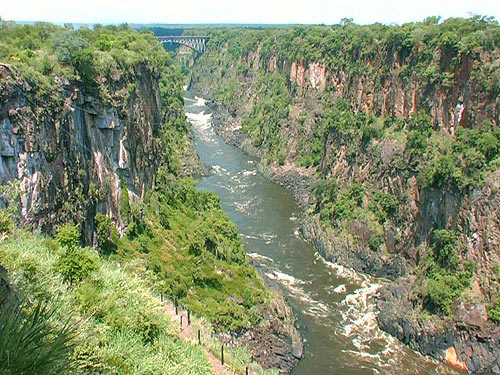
[(195, 253), (109, 317)]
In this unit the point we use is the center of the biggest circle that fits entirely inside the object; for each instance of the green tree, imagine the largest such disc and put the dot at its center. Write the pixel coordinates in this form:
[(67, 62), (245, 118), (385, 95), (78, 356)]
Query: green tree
[(107, 235), (444, 247), (76, 264), (6, 223)]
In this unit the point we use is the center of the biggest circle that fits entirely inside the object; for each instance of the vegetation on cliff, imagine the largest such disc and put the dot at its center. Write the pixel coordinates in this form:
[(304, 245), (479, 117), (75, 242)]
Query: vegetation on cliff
[(195, 253), (400, 126)]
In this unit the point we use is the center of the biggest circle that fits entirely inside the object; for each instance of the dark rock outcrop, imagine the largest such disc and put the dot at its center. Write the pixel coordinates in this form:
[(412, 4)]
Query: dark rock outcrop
[(71, 153), (474, 339)]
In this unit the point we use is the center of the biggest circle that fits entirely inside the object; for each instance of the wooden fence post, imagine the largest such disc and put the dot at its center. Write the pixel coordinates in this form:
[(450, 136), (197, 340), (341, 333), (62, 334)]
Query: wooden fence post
[(181, 322), (222, 354), (189, 317), (199, 337)]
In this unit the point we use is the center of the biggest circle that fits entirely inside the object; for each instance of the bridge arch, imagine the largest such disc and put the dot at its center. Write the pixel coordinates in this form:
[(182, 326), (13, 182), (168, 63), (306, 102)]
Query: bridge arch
[(197, 43)]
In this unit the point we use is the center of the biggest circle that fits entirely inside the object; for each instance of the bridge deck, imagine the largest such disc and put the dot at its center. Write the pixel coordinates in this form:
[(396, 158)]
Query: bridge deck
[(181, 37), (196, 42)]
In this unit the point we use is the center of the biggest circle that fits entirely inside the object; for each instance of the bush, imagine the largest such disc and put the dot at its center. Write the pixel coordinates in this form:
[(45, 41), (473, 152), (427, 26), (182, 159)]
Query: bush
[(444, 247), (106, 234), (6, 223), (375, 241), (383, 205), (124, 204), (76, 264), (68, 236), (494, 311), (442, 291)]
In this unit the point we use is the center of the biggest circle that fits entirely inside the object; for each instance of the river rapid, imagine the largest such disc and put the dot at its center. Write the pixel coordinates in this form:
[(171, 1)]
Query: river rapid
[(334, 305)]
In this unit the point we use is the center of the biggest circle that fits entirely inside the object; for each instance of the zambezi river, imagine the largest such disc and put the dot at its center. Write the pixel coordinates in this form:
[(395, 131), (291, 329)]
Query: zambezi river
[(334, 305)]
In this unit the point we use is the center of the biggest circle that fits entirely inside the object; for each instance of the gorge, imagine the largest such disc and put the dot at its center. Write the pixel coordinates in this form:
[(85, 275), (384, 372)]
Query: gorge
[(383, 236)]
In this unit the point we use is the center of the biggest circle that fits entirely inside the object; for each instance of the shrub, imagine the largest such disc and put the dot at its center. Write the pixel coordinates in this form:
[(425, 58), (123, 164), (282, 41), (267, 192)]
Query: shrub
[(68, 236), (442, 291), (343, 208), (444, 247), (76, 264), (383, 205), (375, 241), (494, 311), (106, 234), (6, 223)]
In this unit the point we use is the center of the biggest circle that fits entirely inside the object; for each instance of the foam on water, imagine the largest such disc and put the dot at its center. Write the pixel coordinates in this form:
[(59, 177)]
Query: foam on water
[(218, 170), (250, 173), (200, 102), (242, 206), (268, 237), (295, 286), (341, 271), (285, 278), (260, 257), (200, 120), (340, 289)]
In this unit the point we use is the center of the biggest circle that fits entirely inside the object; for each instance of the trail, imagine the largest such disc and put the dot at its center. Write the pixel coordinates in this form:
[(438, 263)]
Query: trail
[(186, 332)]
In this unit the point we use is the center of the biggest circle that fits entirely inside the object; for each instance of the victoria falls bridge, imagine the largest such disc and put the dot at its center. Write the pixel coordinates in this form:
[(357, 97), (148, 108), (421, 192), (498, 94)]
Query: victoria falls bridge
[(197, 43)]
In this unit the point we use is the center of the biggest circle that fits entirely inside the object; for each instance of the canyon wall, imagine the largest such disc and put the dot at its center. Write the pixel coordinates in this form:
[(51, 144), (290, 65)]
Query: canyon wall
[(371, 129), (72, 153)]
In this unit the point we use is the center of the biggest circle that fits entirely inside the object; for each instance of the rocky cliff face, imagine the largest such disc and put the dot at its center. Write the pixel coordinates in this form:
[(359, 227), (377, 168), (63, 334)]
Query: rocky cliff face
[(389, 83), (72, 153), (387, 92)]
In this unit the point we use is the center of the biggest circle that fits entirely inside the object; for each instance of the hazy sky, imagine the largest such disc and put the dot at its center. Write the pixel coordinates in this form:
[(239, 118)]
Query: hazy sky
[(237, 11)]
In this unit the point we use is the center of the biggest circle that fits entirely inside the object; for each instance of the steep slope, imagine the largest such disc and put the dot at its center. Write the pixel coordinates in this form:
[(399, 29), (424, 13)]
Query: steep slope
[(388, 135)]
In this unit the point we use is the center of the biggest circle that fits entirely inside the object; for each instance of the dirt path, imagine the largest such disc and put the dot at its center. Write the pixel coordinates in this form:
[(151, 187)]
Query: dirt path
[(186, 332)]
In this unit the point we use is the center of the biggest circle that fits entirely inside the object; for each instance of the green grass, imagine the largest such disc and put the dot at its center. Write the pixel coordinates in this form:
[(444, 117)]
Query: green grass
[(29, 342), (120, 324)]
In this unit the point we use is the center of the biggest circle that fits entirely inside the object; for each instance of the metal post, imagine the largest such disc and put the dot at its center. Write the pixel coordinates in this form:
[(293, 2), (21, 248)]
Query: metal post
[(176, 312), (222, 354), (189, 317), (181, 322), (199, 337), (246, 370), (161, 296)]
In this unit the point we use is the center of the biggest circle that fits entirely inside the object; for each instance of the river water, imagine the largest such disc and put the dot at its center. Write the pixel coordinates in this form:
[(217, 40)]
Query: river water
[(334, 305)]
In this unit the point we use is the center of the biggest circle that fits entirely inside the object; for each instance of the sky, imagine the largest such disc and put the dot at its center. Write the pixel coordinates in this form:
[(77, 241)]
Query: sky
[(238, 11)]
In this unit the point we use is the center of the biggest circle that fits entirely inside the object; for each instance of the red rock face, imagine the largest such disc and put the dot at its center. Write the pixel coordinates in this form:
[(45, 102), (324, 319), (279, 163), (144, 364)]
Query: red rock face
[(312, 76), (458, 102), (452, 359)]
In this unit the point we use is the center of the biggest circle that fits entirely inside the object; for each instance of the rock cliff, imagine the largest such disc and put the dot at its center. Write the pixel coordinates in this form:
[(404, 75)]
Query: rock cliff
[(72, 153)]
